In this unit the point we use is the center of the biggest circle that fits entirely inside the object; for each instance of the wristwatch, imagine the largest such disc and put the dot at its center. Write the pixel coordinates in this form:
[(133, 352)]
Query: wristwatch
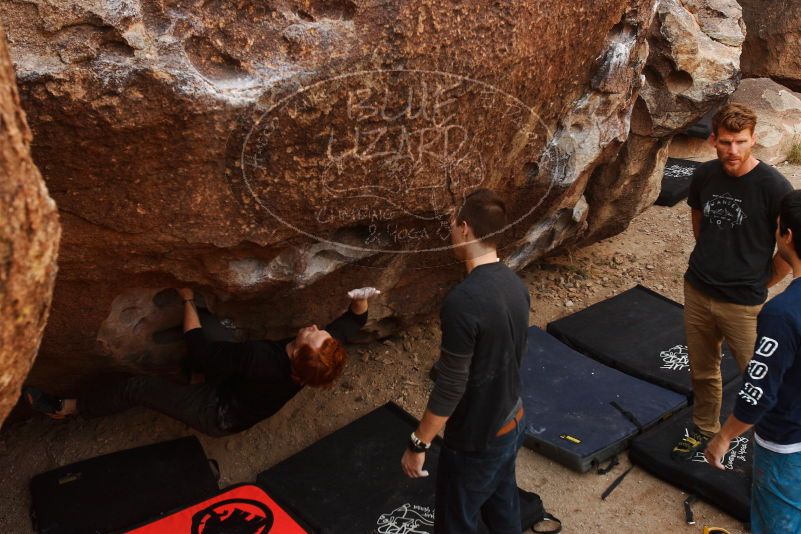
[(417, 445)]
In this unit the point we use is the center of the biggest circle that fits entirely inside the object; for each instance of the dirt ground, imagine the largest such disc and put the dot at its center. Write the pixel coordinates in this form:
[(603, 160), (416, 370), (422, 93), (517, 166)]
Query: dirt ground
[(652, 252)]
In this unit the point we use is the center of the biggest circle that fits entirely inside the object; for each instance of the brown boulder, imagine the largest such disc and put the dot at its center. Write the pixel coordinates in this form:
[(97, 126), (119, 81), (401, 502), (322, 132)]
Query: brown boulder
[(693, 148), (693, 63), (29, 234), (778, 112), (773, 46), (274, 155), (692, 66), (778, 127)]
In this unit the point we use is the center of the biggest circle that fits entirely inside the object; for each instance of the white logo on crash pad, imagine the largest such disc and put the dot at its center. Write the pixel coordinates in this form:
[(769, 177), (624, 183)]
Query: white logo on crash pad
[(738, 452), (407, 519), (678, 171), (676, 358)]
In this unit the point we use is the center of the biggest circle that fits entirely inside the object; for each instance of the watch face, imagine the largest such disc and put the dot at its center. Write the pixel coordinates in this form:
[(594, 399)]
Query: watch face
[(414, 447)]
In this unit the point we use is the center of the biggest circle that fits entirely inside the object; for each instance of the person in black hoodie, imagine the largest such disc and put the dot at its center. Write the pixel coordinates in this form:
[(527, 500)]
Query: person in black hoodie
[(244, 383), (770, 399)]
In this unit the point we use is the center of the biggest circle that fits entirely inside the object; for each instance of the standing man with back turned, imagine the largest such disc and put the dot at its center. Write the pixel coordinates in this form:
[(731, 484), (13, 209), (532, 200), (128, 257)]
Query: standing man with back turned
[(735, 201), (476, 396)]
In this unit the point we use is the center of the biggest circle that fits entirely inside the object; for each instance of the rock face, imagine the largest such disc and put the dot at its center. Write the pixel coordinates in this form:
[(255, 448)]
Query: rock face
[(778, 124), (779, 117), (773, 47), (693, 65), (275, 154), (29, 234), (694, 148)]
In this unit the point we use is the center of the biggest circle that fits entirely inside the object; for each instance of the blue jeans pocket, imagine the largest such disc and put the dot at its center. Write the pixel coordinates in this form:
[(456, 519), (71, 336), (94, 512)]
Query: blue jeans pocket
[(776, 492)]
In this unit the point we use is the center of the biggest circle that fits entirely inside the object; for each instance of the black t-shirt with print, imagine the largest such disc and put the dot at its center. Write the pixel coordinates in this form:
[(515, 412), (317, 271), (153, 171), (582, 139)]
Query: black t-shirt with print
[(732, 258)]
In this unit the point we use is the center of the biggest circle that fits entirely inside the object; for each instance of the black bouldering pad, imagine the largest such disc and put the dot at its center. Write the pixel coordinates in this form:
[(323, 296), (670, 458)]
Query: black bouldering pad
[(115, 491), (676, 181), (351, 481), (703, 128), (639, 332), (729, 490), (580, 412)]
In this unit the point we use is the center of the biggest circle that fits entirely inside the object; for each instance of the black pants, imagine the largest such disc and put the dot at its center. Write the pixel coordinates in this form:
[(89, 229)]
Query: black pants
[(194, 405)]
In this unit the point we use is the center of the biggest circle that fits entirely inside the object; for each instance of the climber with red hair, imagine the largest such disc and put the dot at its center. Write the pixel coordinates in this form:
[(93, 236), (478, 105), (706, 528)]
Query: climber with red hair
[(243, 383)]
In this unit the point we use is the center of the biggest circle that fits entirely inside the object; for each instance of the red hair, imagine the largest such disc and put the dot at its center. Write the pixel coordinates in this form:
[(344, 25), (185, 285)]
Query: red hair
[(321, 367)]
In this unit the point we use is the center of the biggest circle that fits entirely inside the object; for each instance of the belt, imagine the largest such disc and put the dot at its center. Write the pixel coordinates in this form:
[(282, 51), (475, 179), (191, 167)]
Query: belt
[(508, 427)]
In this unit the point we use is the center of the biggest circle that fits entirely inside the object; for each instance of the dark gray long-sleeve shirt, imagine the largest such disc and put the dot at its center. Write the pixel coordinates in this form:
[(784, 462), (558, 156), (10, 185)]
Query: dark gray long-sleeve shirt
[(484, 323)]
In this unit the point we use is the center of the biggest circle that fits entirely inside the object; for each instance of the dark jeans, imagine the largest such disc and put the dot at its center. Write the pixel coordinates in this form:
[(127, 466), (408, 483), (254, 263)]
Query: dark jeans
[(482, 483), (194, 405)]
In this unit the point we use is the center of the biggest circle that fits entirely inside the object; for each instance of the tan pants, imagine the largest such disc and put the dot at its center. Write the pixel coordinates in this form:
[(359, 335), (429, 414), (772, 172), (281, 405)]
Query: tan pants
[(708, 322)]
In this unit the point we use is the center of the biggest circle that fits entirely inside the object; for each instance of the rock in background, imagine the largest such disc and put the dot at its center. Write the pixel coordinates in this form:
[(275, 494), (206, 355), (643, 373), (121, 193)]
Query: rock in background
[(779, 117), (693, 65), (274, 155), (29, 235), (773, 46), (771, 50)]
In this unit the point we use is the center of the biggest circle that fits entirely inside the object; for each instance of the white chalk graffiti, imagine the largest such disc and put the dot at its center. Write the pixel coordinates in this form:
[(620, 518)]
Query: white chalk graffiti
[(675, 358), (390, 153), (407, 519), (406, 136), (738, 452)]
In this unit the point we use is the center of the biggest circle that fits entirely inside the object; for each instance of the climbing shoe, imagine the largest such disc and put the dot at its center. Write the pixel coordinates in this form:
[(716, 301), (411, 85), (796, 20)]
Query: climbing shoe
[(692, 442), (41, 402)]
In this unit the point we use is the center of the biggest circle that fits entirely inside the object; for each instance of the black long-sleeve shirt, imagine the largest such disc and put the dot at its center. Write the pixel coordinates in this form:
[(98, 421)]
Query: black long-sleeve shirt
[(484, 322), (253, 377)]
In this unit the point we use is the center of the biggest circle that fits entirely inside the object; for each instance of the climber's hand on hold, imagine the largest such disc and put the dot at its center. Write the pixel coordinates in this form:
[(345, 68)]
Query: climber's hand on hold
[(359, 298)]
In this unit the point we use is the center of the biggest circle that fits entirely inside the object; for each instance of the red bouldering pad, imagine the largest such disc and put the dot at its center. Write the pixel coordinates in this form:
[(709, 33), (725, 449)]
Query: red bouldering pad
[(244, 508)]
